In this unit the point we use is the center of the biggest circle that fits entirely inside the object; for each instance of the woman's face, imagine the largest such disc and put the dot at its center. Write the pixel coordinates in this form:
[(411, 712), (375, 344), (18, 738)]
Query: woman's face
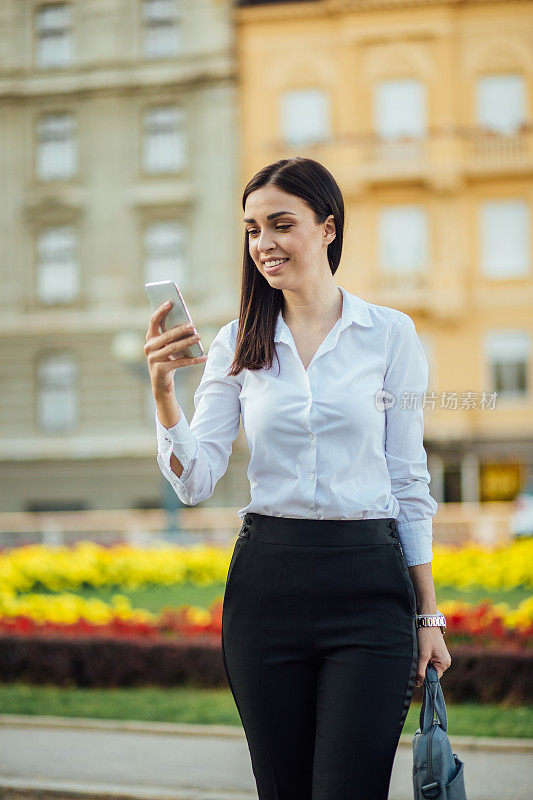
[(292, 235)]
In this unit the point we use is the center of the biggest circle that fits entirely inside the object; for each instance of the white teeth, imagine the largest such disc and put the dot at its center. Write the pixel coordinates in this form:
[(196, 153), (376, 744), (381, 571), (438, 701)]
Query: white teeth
[(275, 263)]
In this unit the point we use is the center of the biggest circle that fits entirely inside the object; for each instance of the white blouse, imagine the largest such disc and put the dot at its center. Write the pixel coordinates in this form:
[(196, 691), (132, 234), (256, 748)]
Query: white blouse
[(340, 440)]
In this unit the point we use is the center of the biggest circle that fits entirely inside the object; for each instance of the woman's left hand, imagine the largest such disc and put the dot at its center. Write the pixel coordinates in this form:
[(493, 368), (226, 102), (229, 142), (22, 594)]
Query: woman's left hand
[(431, 647)]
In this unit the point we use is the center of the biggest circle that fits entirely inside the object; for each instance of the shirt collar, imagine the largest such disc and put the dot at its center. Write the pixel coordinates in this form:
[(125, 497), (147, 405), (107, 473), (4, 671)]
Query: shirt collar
[(354, 310)]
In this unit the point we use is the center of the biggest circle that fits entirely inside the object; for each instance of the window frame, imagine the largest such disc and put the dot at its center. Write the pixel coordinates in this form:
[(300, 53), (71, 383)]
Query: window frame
[(283, 100), (75, 264), (183, 280), (69, 30), (72, 140), (484, 209), (178, 19), (182, 134)]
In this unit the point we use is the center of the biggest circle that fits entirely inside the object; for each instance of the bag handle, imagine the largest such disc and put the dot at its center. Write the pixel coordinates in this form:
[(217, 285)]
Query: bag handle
[(433, 701)]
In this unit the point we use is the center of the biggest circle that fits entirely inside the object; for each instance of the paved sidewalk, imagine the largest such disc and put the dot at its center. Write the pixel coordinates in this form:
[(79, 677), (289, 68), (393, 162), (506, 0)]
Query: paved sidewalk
[(56, 757)]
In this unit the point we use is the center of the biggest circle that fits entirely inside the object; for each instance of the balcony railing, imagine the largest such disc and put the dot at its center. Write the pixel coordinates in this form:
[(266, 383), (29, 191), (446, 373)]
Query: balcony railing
[(489, 146), (455, 523), (440, 156)]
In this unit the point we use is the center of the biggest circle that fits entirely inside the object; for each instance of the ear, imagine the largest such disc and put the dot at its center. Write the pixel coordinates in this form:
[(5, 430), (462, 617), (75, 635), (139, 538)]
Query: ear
[(329, 229)]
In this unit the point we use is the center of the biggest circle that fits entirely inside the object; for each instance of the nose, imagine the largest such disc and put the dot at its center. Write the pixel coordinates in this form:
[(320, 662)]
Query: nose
[(265, 243)]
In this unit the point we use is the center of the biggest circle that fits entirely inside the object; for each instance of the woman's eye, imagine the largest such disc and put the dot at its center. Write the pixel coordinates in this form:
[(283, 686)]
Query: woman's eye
[(252, 231)]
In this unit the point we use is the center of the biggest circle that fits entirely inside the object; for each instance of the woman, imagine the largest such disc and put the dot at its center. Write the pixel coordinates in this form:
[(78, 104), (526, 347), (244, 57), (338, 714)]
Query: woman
[(320, 633)]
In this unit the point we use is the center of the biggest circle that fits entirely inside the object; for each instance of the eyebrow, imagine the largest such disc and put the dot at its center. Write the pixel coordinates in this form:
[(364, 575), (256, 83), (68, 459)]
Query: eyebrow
[(274, 215)]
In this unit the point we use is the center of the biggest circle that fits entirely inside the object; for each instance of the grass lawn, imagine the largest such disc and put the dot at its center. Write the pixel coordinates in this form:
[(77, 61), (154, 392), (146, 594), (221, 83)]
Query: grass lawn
[(154, 598), (216, 706)]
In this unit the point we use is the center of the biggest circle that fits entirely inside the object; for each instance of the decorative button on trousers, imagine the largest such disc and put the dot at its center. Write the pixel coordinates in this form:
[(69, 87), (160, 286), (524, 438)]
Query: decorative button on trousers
[(320, 650)]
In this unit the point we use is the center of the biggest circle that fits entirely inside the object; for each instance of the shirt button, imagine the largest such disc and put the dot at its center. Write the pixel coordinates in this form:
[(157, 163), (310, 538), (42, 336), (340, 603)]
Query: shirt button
[(310, 514), (309, 400), (311, 435), (312, 476)]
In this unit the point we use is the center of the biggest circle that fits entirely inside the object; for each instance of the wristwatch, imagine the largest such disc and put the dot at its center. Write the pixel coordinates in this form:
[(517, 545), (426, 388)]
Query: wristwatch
[(431, 620)]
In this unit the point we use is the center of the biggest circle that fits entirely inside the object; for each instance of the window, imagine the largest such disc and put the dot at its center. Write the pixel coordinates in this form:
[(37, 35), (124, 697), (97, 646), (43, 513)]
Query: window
[(57, 392), (164, 246), (164, 140), (400, 109), (453, 484), (305, 117), (162, 28), (403, 239), (57, 272), (501, 102), (54, 35), (507, 353), (56, 147), (504, 238)]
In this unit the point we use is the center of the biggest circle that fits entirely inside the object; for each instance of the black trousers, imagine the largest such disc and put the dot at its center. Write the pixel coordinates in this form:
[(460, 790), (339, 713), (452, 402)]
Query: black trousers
[(320, 651)]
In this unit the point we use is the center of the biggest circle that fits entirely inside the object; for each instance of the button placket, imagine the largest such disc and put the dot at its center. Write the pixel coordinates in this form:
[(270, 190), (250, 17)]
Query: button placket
[(311, 453)]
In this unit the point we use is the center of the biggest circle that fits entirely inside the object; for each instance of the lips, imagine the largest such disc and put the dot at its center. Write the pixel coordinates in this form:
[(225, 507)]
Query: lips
[(273, 270)]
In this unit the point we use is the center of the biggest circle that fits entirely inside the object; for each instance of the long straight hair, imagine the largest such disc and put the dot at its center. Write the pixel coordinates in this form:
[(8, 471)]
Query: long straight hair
[(260, 303)]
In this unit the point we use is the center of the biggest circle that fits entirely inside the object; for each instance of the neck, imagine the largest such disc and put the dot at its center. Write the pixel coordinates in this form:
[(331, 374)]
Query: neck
[(312, 307)]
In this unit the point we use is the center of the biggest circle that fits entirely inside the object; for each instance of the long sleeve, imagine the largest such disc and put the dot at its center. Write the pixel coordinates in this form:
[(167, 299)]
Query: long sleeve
[(205, 446), (407, 372)]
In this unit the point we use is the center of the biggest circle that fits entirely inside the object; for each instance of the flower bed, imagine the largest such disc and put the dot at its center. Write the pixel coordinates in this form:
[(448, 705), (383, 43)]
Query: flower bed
[(88, 565), (484, 624), (67, 639)]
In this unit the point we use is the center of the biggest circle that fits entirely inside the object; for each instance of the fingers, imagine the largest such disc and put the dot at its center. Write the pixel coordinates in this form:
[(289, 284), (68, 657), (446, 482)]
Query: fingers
[(186, 333), (421, 669), (156, 319), (168, 348), (186, 362), (440, 668), (176, 348)]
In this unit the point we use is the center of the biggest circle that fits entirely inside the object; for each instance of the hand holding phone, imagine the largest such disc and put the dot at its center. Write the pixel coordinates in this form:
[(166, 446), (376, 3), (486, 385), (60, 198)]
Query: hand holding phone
[(171, 340), (158, 294)]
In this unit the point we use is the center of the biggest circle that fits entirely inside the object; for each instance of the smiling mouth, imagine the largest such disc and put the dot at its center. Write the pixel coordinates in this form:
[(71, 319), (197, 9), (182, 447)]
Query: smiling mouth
[(276, 268)]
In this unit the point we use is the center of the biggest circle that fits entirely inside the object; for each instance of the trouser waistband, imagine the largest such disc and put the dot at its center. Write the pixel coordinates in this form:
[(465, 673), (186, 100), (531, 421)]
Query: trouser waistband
[(313, 532)]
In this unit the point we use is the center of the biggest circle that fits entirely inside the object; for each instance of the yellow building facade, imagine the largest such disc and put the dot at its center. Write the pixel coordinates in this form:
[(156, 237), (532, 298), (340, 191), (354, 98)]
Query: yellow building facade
[(422, 112)]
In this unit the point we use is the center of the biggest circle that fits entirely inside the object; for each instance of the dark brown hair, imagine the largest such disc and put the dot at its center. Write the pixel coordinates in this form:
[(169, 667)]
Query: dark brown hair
[(260, 302)]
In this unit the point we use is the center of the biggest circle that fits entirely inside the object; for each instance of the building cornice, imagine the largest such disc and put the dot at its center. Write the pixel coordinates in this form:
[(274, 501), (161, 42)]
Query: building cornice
[(119, 78), (124, 315), (269, 11), (74, 446)]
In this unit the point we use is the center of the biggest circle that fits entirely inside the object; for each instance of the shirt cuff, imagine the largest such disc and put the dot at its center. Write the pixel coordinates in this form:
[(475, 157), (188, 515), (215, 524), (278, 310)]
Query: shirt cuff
[(417, 541), (179, 439)]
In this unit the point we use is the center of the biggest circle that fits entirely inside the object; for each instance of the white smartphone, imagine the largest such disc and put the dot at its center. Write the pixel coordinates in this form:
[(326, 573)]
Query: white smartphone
[(161, 291)]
